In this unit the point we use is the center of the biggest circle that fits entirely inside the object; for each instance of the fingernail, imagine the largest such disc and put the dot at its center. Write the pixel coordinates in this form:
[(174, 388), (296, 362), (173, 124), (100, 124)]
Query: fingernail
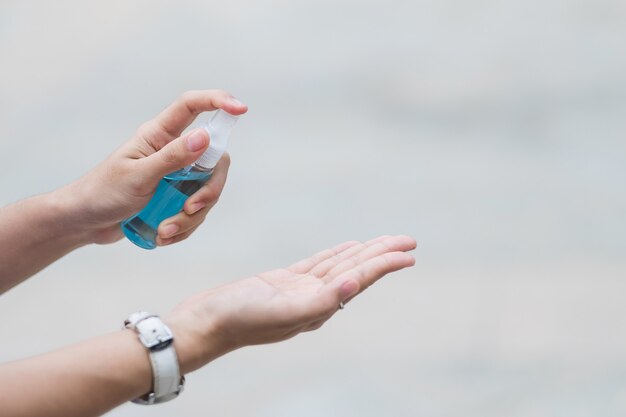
[(164, 242), (168, 231), (195, 207), (196, 140), (236, 102)]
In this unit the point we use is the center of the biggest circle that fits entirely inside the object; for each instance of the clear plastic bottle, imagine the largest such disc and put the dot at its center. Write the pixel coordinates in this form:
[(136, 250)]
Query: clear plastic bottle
[(174, 189)]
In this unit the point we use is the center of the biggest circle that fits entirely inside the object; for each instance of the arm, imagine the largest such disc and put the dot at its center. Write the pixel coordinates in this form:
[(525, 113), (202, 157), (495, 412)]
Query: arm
[(92, 377), (42, 229), (35, 232)]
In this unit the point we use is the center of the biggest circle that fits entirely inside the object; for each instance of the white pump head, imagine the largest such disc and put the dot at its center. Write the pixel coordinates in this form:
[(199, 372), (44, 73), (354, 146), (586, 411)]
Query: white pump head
[(218, 127)]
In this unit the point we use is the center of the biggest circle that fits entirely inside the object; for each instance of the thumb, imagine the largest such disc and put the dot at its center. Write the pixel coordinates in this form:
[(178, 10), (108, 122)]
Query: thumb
[(177, 154)]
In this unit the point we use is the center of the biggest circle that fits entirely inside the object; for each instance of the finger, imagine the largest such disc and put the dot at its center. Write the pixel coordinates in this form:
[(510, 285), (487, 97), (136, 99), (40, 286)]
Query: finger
[(199, 206), (358, 279), (326, 265), (175, 155), (175, 239), (305, 265), (391, 244), (180, 114), (181, 223), (208, 195)]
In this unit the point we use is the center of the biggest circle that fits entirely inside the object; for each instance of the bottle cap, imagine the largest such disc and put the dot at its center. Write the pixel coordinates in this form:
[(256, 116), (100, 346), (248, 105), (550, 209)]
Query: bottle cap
[(219, 128)]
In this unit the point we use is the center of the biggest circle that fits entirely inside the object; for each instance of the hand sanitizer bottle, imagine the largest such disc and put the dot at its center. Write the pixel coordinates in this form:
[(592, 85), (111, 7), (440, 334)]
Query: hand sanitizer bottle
[(174, 189)]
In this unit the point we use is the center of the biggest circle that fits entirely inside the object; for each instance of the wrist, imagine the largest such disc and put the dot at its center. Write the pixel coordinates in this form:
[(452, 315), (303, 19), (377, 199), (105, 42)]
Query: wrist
[(64, 210), (196, 345), (85, 217)]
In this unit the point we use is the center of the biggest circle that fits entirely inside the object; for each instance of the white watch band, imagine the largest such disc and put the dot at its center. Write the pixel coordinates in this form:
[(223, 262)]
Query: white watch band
[(158, 339)]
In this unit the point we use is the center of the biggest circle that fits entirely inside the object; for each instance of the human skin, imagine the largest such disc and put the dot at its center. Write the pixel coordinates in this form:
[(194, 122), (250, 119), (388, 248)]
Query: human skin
[(90, 378), (90, 209), (95, 376)]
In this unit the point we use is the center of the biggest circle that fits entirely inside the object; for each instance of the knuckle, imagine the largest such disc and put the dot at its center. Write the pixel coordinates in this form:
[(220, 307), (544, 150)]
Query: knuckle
[(186, 100), (335, 259), (168, 155), (217, 92), (211, 194), (387, 263), (360, 272), (192, 225), (141, 187), (146, 128), (176, 238), (226, 159), (177, 219), (136, 179), (186, 96), (200, 216), (185, 221)]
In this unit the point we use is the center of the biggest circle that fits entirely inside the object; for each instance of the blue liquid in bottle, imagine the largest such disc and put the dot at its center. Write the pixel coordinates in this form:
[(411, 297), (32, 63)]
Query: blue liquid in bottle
[(168, 200), (174, 189)]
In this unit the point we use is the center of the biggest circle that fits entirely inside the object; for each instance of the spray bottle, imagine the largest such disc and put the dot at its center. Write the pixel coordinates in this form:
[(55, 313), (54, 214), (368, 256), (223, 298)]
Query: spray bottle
[(174, 189)]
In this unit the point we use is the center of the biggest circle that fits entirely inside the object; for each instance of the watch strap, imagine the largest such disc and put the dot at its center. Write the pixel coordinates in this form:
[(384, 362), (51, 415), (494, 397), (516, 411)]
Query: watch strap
[(167, 380), (158, 339)]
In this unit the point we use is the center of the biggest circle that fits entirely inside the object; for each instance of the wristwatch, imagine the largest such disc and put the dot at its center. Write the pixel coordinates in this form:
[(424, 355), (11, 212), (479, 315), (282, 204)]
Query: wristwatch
[(159, 340)]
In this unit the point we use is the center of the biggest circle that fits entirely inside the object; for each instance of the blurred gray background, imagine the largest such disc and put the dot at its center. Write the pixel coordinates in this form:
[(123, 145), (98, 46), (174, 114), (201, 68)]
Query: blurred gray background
[(491, 131)]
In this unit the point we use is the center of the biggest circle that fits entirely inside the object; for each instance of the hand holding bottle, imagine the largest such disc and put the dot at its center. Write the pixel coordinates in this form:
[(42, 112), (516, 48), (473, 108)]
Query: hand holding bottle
[(124, 183), (176, 187)]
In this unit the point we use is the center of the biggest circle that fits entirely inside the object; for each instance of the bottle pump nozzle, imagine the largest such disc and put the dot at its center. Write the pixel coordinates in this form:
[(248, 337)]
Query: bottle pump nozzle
[(218, 127)]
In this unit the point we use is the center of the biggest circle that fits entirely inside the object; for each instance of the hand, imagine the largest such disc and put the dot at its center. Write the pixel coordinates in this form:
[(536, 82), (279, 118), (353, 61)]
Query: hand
[(279, 304), (124, 183)]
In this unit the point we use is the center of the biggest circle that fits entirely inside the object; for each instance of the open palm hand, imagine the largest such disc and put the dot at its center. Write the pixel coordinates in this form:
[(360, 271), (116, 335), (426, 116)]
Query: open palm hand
[(281, 303)]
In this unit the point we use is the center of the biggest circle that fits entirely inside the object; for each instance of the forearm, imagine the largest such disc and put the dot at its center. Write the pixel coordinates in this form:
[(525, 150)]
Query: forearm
[(35, 232), (90, 378), (86, 379)]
